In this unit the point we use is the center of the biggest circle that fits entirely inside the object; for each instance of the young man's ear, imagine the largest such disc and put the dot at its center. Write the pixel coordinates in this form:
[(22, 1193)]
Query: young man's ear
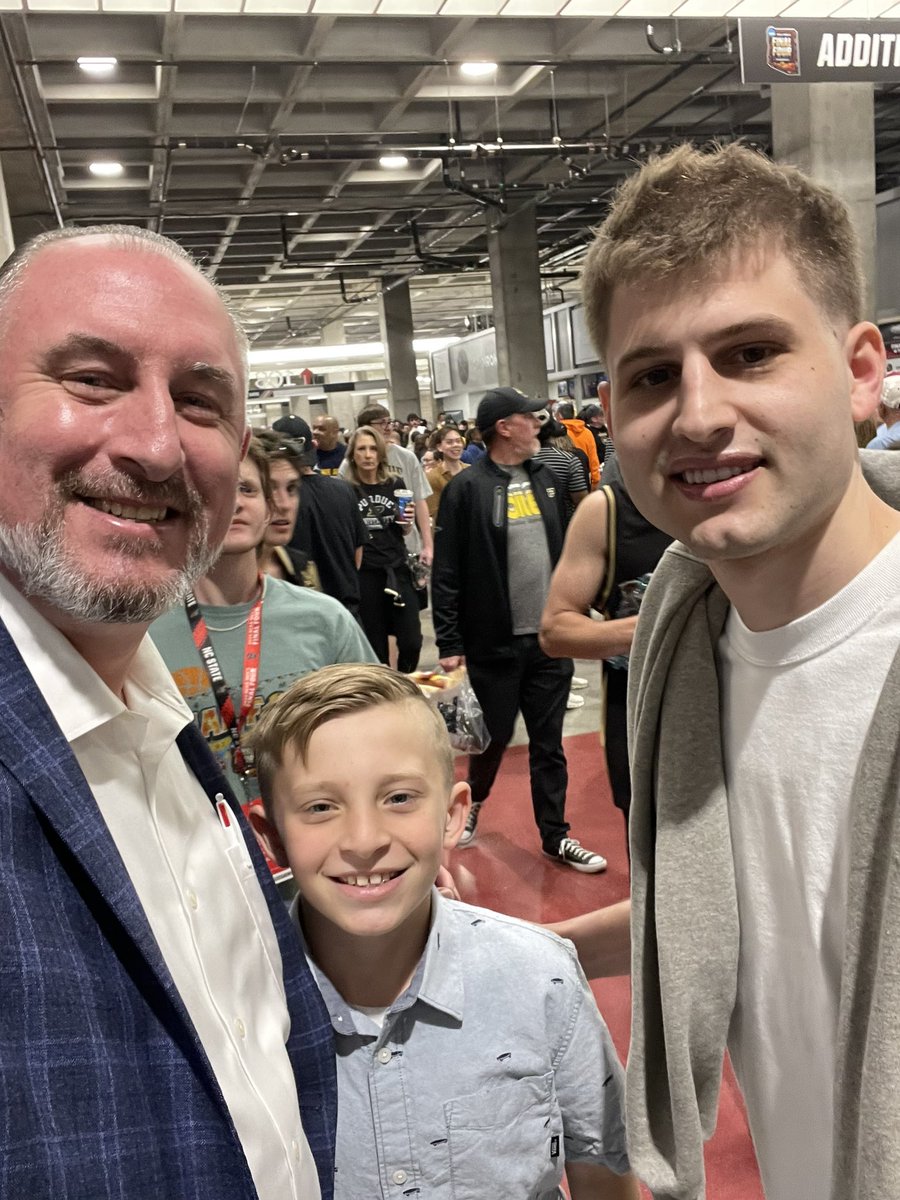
[(457, 811), (603, 397), (267, 835), (866, 363)]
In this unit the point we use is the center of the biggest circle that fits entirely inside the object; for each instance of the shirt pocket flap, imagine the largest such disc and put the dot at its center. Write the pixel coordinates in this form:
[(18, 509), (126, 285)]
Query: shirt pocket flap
[(506, 1140)]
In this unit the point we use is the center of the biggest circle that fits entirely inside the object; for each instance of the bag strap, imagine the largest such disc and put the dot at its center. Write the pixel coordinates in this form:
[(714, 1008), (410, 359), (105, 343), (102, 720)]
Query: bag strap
[(610, 576)]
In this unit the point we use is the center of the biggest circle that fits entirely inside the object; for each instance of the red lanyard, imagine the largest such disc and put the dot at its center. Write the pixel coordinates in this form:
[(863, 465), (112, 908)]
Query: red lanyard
[(249, 676)]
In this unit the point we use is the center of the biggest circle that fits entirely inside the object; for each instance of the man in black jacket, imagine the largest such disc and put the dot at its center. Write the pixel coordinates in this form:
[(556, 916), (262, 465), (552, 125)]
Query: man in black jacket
[(498, 535)]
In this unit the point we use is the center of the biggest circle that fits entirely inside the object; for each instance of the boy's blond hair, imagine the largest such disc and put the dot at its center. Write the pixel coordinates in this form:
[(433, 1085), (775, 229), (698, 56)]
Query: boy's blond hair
[(333, 692), (686, 213)]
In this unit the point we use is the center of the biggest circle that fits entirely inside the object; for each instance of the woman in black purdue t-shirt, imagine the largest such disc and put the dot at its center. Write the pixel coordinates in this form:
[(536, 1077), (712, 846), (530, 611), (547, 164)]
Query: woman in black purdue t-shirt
[(388, 602)]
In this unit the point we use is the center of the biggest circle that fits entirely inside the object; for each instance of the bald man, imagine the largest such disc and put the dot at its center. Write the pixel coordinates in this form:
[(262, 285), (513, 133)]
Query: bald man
[(330, 449), (156, 1013)]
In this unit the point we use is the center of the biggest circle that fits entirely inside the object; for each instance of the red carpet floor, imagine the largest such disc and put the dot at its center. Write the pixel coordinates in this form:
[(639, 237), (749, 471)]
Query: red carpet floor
[(505, 870)]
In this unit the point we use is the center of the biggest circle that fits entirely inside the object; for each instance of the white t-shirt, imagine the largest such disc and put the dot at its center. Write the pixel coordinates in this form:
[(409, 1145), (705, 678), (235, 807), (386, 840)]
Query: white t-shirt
[(797, 703)]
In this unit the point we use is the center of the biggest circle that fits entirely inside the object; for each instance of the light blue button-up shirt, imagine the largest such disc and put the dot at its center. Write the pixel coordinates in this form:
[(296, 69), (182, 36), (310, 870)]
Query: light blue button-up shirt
[(887, 437), (491, 1070)]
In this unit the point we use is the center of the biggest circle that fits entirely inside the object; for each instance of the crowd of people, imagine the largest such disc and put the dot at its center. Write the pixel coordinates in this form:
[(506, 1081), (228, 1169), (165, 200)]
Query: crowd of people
[(191, 622), (319, 528)]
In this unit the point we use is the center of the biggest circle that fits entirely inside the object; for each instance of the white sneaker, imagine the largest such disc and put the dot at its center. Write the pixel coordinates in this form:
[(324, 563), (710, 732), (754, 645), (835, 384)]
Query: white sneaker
[(468, 834), (575, 701), (573, 854), (579, 683)]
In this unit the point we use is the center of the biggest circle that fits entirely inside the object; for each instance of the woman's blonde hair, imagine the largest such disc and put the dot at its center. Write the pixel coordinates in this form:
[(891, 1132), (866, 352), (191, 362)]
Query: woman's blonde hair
[(381, 473)]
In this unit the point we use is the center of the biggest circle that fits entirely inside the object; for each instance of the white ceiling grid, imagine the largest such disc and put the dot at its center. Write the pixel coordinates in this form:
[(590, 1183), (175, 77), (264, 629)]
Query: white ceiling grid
[(251, 131)]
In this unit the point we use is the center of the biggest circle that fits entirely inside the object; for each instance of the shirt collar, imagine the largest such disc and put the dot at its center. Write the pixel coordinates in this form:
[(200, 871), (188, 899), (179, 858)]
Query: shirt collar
[(437, 981), (75, 694)]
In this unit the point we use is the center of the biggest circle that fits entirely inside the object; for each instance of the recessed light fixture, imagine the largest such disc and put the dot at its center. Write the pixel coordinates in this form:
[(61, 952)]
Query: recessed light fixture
[(394, 162), (98, 66), (477, 70), (292, 214), (106, 170)]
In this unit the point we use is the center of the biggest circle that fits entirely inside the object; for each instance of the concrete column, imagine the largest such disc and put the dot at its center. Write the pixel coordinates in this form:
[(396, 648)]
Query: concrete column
[(6, 235), (828, 131), (396, 322), (334, 333), (516, 294)]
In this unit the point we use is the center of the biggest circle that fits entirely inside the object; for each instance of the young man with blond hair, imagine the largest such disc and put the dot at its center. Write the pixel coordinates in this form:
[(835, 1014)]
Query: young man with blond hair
[(724, 293)]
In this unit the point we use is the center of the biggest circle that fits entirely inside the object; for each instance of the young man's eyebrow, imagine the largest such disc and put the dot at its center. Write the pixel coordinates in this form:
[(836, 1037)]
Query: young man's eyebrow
[(762, 326)]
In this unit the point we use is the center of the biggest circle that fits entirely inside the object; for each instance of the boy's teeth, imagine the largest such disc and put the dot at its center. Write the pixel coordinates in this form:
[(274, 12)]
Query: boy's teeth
[(366, 880), (712, 474)]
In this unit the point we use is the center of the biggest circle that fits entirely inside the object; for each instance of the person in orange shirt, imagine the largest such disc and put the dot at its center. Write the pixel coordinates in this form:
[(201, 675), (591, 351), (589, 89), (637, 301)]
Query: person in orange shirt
[(581, 437)]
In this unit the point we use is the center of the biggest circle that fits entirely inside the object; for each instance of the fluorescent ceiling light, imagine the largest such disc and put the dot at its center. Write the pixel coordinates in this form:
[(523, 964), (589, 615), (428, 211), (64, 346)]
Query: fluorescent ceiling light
[(394, 162), (106, 170), (343, 353), (477, 70), (97, 66)]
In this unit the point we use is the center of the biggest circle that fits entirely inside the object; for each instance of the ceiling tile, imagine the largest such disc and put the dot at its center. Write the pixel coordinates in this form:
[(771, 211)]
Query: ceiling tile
[(649, 8), (705, 8), (277, 6), (64, 6), (804, 8), (409, 8), (532, 8), (592, 8), (754, 8), (347, 7), (856, 8), (136, 6), (471, 8), (208, 6), (11, 5)]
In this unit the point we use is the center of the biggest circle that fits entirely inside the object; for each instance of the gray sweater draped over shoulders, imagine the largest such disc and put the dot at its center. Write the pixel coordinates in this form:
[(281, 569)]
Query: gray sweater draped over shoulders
[(685, 931)]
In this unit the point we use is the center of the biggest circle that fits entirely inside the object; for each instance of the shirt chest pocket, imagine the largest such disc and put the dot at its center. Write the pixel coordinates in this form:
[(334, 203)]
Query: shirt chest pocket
[(506, 1141)]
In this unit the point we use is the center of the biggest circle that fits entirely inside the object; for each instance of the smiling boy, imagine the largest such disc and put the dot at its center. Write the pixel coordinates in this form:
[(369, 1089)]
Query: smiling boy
[(725, 293), (472, 1061)]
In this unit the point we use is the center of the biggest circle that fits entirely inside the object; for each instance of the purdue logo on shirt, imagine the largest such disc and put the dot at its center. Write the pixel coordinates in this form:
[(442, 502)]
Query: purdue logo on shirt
[(521, 505)]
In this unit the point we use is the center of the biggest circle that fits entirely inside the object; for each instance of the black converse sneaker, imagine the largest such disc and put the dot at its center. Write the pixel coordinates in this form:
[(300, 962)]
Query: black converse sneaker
[(468, 834), (573, 854)]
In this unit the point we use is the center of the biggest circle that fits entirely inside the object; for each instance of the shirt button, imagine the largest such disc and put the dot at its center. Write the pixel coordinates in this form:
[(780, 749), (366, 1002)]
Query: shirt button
[(240, 1028), (295, 1147), (192, 899), (399, 1177), (384, 1055)]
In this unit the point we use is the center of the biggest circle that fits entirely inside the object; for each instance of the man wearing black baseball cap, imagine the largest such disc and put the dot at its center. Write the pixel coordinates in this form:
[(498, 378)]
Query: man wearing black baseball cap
[(500, 403), (498, 535)]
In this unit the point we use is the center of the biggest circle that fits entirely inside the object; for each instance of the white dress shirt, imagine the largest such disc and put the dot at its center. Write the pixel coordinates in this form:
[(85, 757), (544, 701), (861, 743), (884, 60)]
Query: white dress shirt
[(195, 881)]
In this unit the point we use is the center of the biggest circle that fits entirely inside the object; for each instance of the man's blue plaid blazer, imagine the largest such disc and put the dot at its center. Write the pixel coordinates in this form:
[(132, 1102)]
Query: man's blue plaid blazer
[(107, 1093)]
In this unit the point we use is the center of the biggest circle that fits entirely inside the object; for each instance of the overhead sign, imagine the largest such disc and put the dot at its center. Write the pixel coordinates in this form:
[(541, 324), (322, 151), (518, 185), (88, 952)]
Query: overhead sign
[(827, 51)]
